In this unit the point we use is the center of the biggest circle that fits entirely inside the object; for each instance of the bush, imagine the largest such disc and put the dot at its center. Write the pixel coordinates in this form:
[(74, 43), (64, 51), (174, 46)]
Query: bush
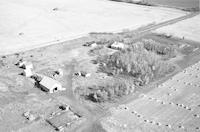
[(104, 41), (96, 50), (106, 38)]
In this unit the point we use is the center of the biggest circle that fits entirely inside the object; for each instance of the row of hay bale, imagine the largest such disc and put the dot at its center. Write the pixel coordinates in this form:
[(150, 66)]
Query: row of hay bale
[(189, 77), (162, 124), (156, 123), (140, 116), (168, 103)]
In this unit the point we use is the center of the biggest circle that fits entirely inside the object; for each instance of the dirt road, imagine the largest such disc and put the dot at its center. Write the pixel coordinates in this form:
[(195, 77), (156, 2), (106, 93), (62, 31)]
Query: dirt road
[(166, 23)]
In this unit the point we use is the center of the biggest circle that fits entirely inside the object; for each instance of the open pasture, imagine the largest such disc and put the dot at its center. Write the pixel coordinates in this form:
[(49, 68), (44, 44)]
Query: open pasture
[(28, 24), (186, 29)]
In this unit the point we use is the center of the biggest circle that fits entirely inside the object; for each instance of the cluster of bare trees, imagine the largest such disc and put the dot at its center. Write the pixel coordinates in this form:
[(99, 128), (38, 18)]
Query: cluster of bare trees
[(138, 62), (137, 65), (158, 48), (107, 91)]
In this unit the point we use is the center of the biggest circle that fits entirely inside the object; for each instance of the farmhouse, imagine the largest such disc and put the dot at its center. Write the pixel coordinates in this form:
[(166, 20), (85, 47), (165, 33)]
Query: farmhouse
[(50, 85), (117, 45)]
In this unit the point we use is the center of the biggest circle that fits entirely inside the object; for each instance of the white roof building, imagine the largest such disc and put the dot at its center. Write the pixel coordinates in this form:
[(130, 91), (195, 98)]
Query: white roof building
[(50, 85), (118, 45), (94, 45), (26, 65), (27, 72)]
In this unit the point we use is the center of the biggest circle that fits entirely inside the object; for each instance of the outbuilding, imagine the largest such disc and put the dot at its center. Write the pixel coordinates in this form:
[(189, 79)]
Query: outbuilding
[(26, 65), (28, 72), (88, 44), (50, 85), (83, 74)]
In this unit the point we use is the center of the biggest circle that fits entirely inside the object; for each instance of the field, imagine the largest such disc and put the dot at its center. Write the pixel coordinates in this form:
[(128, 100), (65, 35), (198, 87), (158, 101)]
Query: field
[(171, 107), (189, 5), (183, 4), (187, 29), (27, 24)]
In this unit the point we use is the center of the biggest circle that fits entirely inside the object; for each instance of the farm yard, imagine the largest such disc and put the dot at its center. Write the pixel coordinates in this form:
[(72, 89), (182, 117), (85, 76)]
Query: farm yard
[(79, 70), (98, 66)]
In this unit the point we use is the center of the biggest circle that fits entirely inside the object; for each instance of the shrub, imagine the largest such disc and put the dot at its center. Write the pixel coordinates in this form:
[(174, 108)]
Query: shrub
[(104, 41), (96, 50)]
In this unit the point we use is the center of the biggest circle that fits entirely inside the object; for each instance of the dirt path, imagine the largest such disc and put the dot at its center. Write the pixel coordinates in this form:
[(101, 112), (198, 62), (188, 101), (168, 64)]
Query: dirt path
[(152, 27), (76, 103)]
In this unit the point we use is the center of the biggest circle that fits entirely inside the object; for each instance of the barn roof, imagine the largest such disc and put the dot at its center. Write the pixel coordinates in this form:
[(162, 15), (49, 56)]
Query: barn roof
[(48, 82), (61, 119)]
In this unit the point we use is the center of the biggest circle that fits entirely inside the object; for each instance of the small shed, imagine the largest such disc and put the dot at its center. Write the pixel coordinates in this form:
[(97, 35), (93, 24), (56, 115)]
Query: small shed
[(29, 116), (82, 73), (50, 85), (94, 45), (58, 72), (88, 44)]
